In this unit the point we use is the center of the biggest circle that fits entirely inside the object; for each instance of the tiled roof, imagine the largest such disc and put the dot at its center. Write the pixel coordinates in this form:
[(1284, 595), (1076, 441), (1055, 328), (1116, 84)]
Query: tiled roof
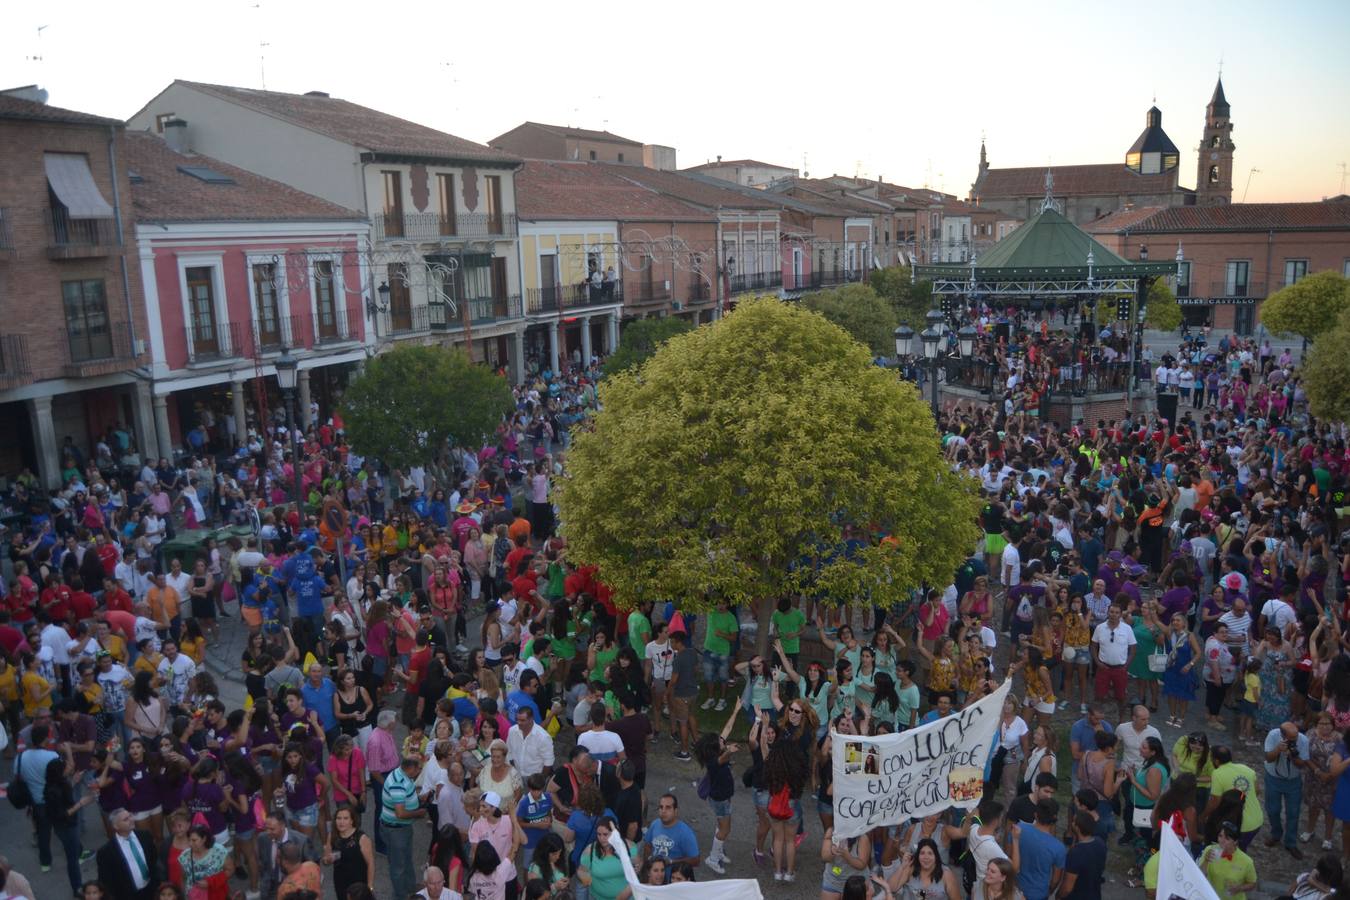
[(1332, 216), (162, 193), (962, 208), (551, 189), (699, 190), (1122, 219), (1106, 178), (16, 108), (739, 162), (585, 134), (833, 194), (361, 126)]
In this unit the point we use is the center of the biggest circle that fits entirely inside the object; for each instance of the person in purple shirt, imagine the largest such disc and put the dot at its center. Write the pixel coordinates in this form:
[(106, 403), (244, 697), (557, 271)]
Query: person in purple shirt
[(302, 782), (1129, 586), (1177, 598), (204, 796), (1110, 572)]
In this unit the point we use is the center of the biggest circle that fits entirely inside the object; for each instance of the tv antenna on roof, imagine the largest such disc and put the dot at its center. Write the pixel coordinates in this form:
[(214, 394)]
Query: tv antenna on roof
[(1254, 171), (37, 56)]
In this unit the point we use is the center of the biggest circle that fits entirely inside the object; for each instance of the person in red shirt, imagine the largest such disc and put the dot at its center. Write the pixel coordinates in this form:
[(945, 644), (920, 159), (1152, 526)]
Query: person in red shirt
[(81, 602), (120, 622), (55, 598), (11, 638), (108, 555), (115, 598), (23, 601), (520, 552)]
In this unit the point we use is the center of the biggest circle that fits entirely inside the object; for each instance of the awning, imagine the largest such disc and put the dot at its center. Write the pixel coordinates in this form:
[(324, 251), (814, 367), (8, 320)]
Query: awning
[(73, 183)]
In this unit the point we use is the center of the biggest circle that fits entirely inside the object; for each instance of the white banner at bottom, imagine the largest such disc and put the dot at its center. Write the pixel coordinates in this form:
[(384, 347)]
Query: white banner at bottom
[(720, 889)]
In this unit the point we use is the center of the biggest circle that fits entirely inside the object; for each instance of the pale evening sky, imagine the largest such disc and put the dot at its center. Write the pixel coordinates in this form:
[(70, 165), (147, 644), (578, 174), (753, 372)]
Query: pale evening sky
[(897, 90)]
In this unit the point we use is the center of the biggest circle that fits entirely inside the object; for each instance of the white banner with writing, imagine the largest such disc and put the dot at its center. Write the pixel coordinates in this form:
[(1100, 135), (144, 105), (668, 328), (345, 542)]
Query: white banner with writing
[(887, 779), (717, 889), (1178, 874)]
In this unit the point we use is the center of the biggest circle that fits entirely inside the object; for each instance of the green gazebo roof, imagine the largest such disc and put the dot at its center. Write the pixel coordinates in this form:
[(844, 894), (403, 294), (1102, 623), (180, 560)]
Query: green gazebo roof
[(1047, 246)]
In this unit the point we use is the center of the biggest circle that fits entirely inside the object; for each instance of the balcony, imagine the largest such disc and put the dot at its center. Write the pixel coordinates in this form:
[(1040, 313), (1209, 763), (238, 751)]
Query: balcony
[(1233, 289), (273, 333), (756, 281), (95, 350), (802, 281), (435, 228), (572, 296), (649, 292), (209, 342), (13, 359), (341, 326), (481, 311), (69, 238)]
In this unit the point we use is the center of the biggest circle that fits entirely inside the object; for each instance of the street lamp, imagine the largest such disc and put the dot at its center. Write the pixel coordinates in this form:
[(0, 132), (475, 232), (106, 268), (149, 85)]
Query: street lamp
[(931, 338), (381, 305), (965, 339), (904, 338), (1143, 252), (288, 373)]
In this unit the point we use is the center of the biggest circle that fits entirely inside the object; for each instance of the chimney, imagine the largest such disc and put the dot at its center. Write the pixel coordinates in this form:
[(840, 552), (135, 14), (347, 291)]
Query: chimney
[(30, 92), (719, 157), (175, 135), (323, 94)]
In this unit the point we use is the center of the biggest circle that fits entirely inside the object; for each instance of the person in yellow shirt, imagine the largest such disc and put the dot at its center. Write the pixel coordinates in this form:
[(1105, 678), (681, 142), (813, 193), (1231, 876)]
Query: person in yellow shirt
[(9, 695), (147, 660), (1251, 697), (193, 643), (37, 691), (114, 644)]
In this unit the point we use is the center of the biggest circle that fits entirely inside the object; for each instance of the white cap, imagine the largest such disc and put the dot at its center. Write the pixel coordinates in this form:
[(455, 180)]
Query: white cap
[(492, 799)]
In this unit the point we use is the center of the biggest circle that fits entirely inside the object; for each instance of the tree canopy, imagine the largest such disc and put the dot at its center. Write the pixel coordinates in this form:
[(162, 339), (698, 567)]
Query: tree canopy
[(1163, 312), (1308, 307), (411, 400), (640, 340), (860, 311), (1326, 373), (733, 462), (910, 300)]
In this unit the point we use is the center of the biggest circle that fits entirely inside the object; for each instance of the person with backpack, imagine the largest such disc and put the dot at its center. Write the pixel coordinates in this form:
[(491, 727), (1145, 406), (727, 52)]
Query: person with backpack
[(718, 786)]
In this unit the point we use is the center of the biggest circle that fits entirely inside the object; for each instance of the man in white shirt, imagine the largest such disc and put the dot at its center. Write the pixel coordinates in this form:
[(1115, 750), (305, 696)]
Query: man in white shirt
[(528, 746), (1131, 736), (1239, 622), (1278, 612), (1113, 646), (176, 669), (604, 746), (1097, 603), (434, 888), (125, 571), (177, 579), (126, 863)]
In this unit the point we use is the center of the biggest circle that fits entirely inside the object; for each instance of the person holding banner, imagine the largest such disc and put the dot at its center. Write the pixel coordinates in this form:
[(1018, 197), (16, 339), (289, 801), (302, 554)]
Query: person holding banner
[(842, 861), (921, 875)]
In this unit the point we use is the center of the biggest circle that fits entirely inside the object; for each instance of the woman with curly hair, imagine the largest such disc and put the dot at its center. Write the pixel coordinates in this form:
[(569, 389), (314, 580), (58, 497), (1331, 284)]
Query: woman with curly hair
[(785, 771)]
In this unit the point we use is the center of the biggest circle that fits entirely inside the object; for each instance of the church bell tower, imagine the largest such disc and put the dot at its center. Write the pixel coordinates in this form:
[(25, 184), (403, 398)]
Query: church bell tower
[(1214, 175)]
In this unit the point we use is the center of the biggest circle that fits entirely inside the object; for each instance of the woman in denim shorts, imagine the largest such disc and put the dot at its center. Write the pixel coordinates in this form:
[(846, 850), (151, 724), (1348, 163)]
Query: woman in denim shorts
[(715, 754), (303, 784), (785, 769)]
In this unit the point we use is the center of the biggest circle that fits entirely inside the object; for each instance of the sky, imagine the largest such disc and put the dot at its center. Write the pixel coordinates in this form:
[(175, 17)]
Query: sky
[(899, 91)]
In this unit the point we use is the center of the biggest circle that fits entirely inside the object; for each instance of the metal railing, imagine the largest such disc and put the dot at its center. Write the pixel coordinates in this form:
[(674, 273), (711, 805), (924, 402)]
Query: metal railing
[(1091, 377), (649, 293), (1227, 288), (272, 334), (345, 326), (13, 356), (6, 238), (572, 296), (84, 344), (214, 340), (434, 226), (69, 236), (440, 317)]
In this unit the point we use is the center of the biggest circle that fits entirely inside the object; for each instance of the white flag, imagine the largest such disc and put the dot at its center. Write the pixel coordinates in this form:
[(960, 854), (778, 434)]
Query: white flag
[(890, 778), (1178, 874)]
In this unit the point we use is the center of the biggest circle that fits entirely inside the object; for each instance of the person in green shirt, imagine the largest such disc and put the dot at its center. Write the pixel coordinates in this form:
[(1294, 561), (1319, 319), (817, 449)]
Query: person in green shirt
[(1229, 775), (640, 629), (788, 623), (722, 630), (602, 652), (1230, 871)]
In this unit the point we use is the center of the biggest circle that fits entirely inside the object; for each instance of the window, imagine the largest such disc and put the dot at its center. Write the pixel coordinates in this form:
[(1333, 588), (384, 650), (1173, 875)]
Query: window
[(393, 203), (204, 334), (1134, 161), (493, 183), (445, 192), (1235, 283), (592, 154), (1294, 269), (1345, 268), (266, 313), (1213, 174), (1216, 141), (325, 301), (620, 157), (1169, 161), (400, 297), (1184, 279), (87, 327), (1244, 320), (161, 119)]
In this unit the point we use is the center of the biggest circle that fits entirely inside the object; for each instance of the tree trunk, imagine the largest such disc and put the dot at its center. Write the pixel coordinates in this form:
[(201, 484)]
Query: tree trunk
[(763, 618)]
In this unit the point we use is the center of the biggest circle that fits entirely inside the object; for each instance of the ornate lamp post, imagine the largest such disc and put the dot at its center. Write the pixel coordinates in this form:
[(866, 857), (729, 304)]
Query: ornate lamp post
[(288, 371), (932, 337)]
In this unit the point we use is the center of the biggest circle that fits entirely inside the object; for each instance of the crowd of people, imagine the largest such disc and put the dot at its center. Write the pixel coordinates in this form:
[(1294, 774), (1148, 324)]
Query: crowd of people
[(1125, 564)]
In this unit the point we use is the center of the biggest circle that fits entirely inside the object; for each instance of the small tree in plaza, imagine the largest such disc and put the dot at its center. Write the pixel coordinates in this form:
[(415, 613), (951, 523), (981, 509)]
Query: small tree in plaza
[(1326, 373), (861, 312), (1163, 313), (731, 464), (910, 299), (640, 339), (411, 400), (1308, 307)]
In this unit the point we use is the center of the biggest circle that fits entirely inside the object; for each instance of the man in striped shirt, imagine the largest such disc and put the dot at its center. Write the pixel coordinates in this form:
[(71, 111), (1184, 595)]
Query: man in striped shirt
[(398, 809)]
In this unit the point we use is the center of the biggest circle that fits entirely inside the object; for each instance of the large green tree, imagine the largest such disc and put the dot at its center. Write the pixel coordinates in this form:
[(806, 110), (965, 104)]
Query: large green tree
[(1163, 312), (1308, 307), (861, 312), (730, 464), (640, 340), (1326, 372), (910, 299), (411, 400)]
